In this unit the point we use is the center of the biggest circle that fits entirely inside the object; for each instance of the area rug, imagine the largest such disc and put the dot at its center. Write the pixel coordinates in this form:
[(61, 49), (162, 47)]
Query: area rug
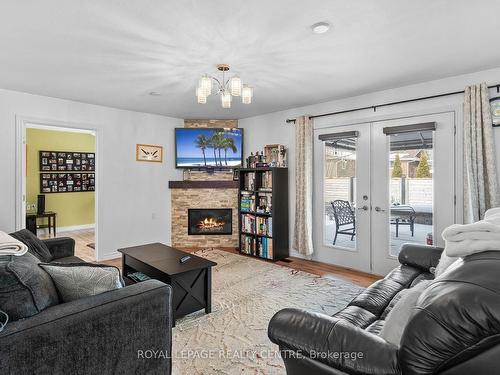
[(246, 293)]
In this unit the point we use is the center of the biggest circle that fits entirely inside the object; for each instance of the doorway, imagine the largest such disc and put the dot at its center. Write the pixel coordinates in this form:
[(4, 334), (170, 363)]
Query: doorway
[(381, 184), (58, 184)]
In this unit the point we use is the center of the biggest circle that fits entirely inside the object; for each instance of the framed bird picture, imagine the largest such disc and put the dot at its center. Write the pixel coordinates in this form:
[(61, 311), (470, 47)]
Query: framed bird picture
[(151, 153)]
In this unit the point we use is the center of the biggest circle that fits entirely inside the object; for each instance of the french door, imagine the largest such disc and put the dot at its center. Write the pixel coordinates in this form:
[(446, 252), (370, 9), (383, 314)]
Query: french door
[(379, 185)]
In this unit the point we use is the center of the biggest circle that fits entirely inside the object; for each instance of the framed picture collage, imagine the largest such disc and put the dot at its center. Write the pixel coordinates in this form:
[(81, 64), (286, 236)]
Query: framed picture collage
[(66, 172)]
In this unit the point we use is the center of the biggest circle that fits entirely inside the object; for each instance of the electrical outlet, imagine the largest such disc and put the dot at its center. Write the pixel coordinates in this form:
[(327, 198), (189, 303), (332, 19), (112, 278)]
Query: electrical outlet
[(33, 206)]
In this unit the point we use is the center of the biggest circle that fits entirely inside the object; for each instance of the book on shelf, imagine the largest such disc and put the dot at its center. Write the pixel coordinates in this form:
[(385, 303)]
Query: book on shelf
[(249, 181), (248, 245), (265, 247), (248, 223), (266, 180), (264, 226), (247, 202), (264, 203)]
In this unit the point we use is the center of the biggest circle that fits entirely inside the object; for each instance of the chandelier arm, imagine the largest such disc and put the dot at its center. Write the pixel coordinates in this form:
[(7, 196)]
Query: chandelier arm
[(218, 82)]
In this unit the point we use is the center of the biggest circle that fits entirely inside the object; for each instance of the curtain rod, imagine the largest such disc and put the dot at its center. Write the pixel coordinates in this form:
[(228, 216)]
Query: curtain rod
[(374, 107)]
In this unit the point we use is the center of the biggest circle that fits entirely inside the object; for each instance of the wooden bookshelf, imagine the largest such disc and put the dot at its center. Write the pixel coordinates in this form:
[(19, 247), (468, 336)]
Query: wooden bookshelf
[(263, 213)]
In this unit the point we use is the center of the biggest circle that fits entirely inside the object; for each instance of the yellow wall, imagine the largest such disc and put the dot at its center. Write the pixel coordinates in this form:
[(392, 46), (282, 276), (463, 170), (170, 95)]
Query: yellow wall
[(71, 208)]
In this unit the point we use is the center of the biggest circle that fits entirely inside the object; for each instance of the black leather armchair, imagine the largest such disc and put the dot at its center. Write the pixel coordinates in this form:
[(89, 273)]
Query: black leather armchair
[(455, 329)]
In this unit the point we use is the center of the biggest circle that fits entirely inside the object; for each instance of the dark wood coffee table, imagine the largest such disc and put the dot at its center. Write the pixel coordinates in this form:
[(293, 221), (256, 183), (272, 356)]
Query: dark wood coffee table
[(191, 281)]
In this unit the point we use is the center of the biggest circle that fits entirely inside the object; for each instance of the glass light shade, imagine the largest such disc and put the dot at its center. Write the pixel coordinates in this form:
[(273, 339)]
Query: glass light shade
[(246, 94), (226, 99), (235, 84), (202, 99), (206, 85)]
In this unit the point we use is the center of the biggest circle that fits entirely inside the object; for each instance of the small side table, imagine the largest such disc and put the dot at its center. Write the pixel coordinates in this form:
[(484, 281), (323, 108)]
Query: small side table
[(31, 221)]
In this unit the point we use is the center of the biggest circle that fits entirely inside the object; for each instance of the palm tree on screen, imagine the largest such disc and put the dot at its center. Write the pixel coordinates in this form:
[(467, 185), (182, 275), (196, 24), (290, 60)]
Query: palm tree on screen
[(216, 144), (228, 144), (203, 143)]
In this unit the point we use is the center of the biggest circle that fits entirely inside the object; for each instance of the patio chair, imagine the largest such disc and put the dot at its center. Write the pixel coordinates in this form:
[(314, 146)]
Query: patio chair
[(343, 215), (403, 215)]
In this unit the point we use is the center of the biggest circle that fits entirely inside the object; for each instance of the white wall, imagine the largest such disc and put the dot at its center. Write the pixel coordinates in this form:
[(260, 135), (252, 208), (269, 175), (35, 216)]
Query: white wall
[(133, 197), (271, 128)]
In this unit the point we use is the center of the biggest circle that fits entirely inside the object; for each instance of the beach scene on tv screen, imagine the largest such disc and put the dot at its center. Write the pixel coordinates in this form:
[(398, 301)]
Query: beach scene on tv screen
[(209, 147)]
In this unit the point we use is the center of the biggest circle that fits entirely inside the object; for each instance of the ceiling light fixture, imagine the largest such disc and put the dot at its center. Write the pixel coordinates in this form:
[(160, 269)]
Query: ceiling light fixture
[(225, 88), (320, 27), (155, 93)]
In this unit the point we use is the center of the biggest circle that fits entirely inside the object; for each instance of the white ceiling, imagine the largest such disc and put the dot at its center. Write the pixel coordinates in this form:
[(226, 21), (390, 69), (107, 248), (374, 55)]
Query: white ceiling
[(114, 52)]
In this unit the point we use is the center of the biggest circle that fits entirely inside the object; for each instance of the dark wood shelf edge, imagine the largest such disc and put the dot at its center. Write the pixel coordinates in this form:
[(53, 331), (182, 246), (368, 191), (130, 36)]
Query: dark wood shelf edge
[(215, 184)]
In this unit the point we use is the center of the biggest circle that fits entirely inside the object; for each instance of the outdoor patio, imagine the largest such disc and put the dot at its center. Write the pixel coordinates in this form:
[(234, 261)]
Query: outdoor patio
[(343, 240)]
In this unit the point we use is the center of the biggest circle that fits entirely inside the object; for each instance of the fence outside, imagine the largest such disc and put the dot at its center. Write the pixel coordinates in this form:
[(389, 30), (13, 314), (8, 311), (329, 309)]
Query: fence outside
[(411, 191)]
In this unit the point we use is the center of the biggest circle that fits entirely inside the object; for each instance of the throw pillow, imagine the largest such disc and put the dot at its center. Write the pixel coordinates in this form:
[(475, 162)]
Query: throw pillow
[(444, 262), (398, 317), (25, 288), (35, 245), (77, 280)]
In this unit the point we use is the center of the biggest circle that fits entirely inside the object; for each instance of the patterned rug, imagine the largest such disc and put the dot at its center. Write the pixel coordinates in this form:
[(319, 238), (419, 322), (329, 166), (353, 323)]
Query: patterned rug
[(246, 293)]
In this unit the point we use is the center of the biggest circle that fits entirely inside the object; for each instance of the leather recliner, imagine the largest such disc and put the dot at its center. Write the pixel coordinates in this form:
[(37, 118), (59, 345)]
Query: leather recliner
[(454, 329)]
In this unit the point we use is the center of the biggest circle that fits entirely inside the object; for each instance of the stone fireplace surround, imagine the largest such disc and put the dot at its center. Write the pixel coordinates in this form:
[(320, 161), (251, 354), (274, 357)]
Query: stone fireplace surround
[(200, 189)]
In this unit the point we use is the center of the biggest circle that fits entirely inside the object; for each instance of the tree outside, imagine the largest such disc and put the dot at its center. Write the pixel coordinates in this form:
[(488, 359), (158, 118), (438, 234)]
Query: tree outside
[(397, 169), (423, 166)]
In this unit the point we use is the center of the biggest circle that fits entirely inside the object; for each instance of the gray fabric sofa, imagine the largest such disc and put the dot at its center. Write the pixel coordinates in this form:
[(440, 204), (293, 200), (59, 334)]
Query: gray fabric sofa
[(115, 332)]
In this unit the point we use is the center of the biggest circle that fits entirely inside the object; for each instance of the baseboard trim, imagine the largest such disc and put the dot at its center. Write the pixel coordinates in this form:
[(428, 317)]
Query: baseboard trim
[(108, 256), (75, 227)]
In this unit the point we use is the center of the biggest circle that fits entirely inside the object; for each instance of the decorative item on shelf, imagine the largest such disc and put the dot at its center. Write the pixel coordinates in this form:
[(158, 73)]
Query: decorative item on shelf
[(236, 174), (253, 161), (495, 110), (276, 155), (225, 88), (150, 153)]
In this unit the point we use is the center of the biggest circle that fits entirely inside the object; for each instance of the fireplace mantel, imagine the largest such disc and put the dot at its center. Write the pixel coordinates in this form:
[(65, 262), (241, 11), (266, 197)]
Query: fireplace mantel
[(214, 184)]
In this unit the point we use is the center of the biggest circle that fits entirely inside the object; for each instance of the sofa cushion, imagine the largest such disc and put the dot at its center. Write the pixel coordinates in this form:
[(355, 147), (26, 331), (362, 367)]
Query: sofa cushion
[(35, 245), (357, 316), (377, 296), (78, 280), (25, 288), (398, 317), (71, 259)]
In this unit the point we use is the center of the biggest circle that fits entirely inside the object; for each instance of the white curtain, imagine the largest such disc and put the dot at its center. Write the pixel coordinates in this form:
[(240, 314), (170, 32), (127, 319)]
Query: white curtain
[(302, 238), (481, 180)]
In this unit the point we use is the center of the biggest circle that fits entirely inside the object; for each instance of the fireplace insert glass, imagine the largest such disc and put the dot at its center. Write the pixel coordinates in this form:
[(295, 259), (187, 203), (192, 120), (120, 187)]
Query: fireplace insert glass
[(210, 221)]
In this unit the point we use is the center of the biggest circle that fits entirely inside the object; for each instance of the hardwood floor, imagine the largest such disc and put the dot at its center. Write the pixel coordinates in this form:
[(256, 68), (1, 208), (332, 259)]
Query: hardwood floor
[(84, 237)]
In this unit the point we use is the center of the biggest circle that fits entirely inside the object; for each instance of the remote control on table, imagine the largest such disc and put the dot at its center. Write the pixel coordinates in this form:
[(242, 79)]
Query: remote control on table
[(185, 258)]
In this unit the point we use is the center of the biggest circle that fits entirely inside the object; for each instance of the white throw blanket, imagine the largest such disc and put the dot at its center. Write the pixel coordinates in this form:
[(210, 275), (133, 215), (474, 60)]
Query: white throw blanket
[(10, 246), (466, 239)]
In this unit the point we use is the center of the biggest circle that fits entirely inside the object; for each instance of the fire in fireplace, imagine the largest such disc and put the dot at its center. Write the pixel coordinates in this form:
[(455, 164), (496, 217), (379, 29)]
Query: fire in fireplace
[(210, 221)]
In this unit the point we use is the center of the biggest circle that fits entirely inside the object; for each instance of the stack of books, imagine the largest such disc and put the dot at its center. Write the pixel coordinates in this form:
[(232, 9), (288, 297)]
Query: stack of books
[(249, 182), (266, 182), (248, 245), (265, 203), (265, 226), (248, 223), (138, 276), (247, 202), (265, 247)]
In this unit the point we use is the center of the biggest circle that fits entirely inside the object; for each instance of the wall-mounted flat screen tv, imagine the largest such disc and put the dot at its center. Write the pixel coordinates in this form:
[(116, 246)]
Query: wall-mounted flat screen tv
[(208, 148)]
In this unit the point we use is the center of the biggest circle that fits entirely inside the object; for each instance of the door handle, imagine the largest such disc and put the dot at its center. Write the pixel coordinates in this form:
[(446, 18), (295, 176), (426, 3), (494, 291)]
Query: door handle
[(364, 208), (378, 209)]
